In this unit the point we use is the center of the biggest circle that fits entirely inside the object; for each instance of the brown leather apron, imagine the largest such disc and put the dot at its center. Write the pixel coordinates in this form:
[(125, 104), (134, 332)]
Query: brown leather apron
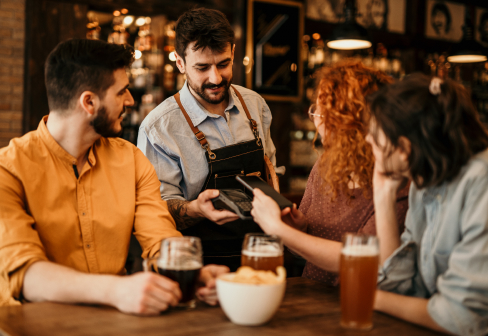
[(222, 244)]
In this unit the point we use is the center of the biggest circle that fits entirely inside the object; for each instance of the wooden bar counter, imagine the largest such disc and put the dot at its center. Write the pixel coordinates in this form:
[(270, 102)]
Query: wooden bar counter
[(309, 308)]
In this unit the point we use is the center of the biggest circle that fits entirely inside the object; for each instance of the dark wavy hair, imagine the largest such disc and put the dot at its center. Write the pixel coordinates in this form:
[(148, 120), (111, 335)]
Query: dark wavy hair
[(79, 65), (207, 27), (442, 7), (341, 95), (444, 129)]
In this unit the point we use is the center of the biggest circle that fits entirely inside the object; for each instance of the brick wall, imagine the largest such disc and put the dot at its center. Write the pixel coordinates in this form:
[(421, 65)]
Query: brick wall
[(12, 35)]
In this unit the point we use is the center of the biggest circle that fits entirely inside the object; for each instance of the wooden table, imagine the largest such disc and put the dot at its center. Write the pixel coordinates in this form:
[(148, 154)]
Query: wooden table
[(309, 308)]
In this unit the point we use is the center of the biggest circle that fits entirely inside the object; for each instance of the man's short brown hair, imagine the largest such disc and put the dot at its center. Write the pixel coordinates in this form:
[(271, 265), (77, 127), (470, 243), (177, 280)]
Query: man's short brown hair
[(209, 28), (79, 65)]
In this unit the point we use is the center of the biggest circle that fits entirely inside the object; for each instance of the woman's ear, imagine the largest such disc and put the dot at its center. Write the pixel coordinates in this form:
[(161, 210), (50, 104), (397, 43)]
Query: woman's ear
[(405, 147)]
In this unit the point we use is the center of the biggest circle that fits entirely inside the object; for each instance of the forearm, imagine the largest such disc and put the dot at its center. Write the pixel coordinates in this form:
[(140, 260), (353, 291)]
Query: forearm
[(182, 212), (321, 252), (47, 281), (387, 226), (411, 309)]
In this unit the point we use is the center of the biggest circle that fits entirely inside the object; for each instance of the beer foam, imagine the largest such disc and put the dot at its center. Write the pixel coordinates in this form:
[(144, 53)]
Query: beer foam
[(360, 250), (263, 251), (186, 265)]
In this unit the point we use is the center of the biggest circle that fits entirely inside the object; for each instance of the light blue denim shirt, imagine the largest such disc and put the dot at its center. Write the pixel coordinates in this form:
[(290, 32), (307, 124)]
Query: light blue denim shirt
[(444, 251), (169, 143)]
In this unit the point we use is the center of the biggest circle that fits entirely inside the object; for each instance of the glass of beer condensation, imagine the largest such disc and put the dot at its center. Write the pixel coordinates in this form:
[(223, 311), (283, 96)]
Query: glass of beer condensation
[(358, 275), (262, 252), (180, 260)]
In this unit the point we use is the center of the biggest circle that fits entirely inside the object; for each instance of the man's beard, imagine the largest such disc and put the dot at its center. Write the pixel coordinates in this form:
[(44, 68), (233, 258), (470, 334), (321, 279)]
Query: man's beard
[(103, 126), (201, 90)]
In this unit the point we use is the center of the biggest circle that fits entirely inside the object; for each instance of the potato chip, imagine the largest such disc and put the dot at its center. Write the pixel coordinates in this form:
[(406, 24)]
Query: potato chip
[(246, 274)]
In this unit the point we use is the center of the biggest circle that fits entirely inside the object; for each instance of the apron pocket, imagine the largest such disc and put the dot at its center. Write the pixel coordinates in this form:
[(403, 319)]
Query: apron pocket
[(222, 180)]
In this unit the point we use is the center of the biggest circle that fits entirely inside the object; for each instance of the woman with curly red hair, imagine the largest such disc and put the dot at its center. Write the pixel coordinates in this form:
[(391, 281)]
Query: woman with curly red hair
[(338, 197)]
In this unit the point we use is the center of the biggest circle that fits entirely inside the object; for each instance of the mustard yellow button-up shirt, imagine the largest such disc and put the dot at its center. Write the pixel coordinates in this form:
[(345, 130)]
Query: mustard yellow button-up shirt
[(47, 213)]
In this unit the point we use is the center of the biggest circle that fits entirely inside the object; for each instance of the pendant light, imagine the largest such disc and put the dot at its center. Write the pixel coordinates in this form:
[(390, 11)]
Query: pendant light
[(349, 35), (468, 50)]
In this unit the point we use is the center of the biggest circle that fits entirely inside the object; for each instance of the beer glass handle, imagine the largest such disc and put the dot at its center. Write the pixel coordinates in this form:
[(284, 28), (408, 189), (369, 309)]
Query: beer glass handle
[(147, 264)]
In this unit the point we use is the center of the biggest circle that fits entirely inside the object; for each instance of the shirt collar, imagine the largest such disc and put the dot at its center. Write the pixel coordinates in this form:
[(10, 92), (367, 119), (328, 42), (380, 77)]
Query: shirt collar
[(56, 149), (51, 144), (437, 192), (196, 111)]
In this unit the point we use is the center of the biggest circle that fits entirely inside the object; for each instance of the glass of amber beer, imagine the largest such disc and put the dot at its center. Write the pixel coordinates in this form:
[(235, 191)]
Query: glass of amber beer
[(262, 252), (180, 260), (358, 274)]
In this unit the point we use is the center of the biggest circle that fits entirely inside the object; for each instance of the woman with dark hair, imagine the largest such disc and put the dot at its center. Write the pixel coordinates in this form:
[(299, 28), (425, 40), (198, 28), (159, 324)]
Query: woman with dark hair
[(440, 19), (338, 197), (376, 14), (436, 275)]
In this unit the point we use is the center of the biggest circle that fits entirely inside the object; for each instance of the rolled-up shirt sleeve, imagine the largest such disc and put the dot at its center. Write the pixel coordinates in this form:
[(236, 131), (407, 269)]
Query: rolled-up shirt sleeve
[(20, 245), (152, 221), (398, 273), (167, 169), (461, 303)]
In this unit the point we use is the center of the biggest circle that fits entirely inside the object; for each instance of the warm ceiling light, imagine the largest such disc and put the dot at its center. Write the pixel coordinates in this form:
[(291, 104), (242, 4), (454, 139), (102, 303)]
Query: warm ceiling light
[(349, 44), (148, 20), (140, 21), (128, 20), (468, 50), (116, 13), (467, 58), (349, 35), (124, 11), (316, 36), (172, 56), (137, 54)]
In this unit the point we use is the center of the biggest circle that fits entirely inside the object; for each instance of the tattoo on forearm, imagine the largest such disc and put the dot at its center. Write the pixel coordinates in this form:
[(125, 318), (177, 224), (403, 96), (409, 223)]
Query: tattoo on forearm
[(179, 210)]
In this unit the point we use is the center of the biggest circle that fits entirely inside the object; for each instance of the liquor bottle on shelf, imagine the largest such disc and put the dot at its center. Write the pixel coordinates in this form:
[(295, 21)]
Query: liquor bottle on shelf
[(442, 67), (381, 61), (115, 36), (93, 28)]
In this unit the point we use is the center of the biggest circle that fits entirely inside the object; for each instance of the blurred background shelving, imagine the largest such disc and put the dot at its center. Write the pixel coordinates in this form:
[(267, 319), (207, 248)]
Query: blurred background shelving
[(149, 27)]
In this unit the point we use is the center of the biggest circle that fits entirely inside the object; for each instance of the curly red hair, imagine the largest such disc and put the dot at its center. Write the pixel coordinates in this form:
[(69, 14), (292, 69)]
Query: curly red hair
[(341, 97)]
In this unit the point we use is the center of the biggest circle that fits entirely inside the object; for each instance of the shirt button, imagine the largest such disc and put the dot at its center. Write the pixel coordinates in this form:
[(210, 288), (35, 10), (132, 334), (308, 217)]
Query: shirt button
[(83, 213), (439, 198), (88, 245)]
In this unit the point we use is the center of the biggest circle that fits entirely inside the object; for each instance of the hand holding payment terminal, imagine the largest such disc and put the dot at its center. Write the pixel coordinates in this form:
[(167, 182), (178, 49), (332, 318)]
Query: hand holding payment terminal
[(239, 201)]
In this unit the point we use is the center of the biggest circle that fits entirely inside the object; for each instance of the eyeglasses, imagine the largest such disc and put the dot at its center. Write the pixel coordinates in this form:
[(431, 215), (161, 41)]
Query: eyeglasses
[(311, 112)]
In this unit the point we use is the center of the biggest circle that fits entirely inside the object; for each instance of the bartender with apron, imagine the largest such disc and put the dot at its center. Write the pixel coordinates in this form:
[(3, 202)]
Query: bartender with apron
[(222, 244)]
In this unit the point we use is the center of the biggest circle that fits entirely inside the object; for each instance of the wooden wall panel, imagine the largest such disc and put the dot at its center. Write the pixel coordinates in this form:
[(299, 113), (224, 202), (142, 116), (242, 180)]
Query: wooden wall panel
[(47, 24)]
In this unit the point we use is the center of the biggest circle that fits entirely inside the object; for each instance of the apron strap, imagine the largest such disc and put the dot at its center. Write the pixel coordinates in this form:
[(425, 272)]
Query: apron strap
[(198, 134), (254, 124), (201, 137)]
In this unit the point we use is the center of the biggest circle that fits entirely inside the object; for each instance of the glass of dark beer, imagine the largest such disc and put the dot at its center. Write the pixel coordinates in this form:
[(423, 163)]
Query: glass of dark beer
[(180, 260), (358, 275), (262, 252)]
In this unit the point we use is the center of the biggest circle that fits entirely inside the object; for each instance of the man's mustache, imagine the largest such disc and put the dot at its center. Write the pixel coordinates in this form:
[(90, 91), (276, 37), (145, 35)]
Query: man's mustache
[(214, 86)]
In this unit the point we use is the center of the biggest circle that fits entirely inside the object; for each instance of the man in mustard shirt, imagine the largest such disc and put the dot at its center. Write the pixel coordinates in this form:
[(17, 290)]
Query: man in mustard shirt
[(72, 193)]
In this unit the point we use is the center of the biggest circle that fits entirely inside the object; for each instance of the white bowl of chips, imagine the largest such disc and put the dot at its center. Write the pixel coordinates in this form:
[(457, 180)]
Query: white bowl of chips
[(250, 297)]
